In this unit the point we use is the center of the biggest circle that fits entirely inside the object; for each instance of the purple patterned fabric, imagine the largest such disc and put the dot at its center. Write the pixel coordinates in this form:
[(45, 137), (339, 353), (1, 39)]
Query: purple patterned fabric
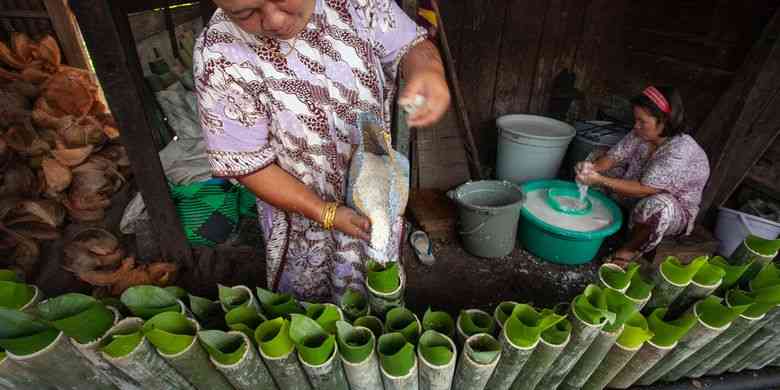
[(679, 168), (295, 103)]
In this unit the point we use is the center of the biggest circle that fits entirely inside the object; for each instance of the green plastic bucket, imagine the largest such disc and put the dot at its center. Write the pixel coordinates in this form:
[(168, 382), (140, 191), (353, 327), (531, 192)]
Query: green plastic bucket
[(488, 213), (558, 245)]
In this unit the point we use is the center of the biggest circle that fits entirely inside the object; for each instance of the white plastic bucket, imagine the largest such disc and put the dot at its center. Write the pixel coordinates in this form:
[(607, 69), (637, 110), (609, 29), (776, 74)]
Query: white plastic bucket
[(530, 147), (734, 226)]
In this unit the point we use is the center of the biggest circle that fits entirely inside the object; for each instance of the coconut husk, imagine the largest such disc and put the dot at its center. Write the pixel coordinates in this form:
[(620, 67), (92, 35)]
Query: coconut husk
[(9, 56), (71, 91), (82, 215), (26, 251), (28, 90), (82, 132), (99, 241), (117, 154), (23, 139), (23, 46), (58, 176), (14, 106), (72, 157), (18, 180), (49, 53), (131, 274), (45, 116), (35, 219), (90, 249), (45, 211)]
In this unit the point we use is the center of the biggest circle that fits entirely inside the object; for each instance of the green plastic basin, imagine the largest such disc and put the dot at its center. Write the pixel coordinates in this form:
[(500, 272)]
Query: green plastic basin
[(558, 245)]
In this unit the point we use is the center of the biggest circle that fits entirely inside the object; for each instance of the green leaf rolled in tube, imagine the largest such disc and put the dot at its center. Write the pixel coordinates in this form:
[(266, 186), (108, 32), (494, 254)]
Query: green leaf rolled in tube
[(356, 343), (639, 289), (618, 279), (713, 312), (170, 332), (619, 304), (668, 332), (273, 337), (81, 317), (23, 334), (354, 304), (314, 344), (635, 332), (679, 273), (147, 301), (732, 272), (225, 348), (591, 306), (278, 305), (383, 278), (325, 314), (440, 321), (119, 345), (436, 348), (402, 320), (472, 322), (244, 319), (373, 323), (503, 311), (525, 325), (396, 355)]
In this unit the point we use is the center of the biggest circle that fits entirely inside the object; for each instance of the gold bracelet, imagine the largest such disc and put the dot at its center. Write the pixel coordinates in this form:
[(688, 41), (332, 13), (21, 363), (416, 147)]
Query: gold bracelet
[(329, 215)]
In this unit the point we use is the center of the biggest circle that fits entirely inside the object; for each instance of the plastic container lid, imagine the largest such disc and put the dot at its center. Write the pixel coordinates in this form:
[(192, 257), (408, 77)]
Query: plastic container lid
[(535, 126)]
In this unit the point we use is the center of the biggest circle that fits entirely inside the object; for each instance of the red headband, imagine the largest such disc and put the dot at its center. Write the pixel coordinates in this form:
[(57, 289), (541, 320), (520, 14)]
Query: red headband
[(658, 98)]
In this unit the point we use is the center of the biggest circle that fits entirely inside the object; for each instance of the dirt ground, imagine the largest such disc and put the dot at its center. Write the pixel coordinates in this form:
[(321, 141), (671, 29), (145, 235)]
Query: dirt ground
[(459, 280)]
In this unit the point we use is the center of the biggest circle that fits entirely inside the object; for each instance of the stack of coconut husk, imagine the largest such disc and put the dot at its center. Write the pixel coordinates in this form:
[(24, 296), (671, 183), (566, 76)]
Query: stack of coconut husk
[(59, 154)]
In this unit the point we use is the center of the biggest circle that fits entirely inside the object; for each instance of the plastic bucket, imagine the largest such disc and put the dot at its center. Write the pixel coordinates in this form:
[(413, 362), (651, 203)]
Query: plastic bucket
[(530, 147), (488, 213), (591, 136), (562, 246), (734, 226)]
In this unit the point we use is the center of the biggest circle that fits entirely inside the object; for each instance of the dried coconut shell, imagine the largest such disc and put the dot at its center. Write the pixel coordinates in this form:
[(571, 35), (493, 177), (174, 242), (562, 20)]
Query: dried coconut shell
[(47, 117), (72, 157), (35, 75), (14, 107), (28, 90), (22, 46), (26, 251), (82, 132), (77, 259), (129, 274), (71, 91), (81, 215), (45, 211), (98, 241), (117, 154), (18, 180), (58, 177), (37, 231), (49, 52), (10, 58), (25, 140)]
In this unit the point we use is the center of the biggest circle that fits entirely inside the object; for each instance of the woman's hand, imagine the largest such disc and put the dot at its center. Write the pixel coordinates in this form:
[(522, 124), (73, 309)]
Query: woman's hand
[(351, 223), (589, 177), (584, 167), (424, 74)]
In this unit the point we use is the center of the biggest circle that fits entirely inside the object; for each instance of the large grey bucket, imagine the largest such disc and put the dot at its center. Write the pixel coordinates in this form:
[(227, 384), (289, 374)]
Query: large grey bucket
[(488, 213), (531, 147)]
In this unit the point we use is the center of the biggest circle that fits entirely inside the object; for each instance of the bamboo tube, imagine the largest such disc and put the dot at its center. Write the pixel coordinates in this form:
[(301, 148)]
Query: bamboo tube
[(766, 355), (671, 279), (232, 297), (398, 362), (582, 336), (745, 254), (249, 372), (15, 377), (639, 364), (700, 334), (91, 351), (519, 337), (62, 361), (549, 348), (278, 352), (591, 359), (705, 282), (436, 375), (474, 371), (380, 303), (474, 321), (193, 363), (142, 363), (757, 337), (614, 277), (634, 334), (37, 297), (358, 357), (740, 325), (328, 375)]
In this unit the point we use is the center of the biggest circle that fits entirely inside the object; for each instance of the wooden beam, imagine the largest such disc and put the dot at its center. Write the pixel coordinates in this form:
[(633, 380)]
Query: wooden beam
[(171, 28), (68, 33), (207, 9), (745, 122), (23, 14), (107, 32), (475, 165)]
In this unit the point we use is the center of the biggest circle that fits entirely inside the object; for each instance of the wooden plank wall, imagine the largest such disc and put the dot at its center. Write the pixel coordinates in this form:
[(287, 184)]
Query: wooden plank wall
[(27, 16), (152, 37), (508, 53)]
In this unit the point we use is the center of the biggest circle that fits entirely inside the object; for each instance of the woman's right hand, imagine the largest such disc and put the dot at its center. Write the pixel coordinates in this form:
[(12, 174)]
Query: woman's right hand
[(351, 223), (584, 167)]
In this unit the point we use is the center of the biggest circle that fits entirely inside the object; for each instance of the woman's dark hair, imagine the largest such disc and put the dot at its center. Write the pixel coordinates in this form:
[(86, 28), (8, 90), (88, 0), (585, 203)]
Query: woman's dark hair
[(674, 122)]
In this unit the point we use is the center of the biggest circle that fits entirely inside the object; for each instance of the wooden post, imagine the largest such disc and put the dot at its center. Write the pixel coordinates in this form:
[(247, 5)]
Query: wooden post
[(171, 27), (745, 122), (68, 33), (107, 33), (207, 9)]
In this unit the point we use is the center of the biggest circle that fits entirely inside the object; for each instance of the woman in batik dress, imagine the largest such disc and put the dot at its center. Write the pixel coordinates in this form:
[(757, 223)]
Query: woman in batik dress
[(280, 85), (657, 171)]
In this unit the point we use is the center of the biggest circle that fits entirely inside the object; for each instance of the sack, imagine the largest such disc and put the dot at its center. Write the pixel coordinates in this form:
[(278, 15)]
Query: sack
[(378, 187)]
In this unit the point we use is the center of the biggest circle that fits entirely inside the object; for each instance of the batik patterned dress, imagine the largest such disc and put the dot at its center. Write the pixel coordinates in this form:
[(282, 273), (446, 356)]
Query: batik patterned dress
[(295, 103), (679, 168)]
